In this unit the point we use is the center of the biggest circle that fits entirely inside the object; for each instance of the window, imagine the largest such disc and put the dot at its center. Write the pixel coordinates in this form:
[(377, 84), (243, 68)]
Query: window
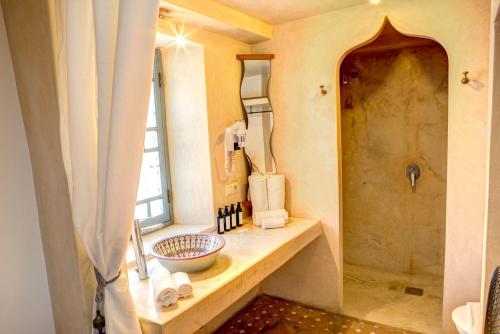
[(153, 207)]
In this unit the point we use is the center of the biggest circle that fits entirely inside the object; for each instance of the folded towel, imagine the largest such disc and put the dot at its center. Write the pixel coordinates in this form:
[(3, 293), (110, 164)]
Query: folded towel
[(184, 287), (273, 222), (475, 310), (164, 287), (259, 215), (258, 192), (276, 192)]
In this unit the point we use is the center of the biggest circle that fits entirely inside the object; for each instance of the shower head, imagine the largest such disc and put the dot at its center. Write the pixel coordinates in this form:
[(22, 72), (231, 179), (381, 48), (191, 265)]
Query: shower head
[(348, 75), (344, 79)]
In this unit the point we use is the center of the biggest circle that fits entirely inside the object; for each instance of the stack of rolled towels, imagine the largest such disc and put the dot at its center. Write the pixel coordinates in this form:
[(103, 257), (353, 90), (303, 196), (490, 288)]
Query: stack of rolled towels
[(167, 288), (267, 193)]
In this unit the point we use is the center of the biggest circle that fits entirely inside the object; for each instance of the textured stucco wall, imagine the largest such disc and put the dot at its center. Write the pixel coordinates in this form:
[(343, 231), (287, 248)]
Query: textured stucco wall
[(305, 141)]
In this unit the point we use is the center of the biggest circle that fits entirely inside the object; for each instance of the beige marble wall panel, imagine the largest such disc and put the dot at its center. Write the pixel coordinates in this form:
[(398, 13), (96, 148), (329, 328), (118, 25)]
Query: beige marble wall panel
[(398, 115)]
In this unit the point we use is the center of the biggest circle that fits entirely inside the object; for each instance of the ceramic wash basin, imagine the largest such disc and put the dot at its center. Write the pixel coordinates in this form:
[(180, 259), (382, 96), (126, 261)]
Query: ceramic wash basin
[(188, 252)]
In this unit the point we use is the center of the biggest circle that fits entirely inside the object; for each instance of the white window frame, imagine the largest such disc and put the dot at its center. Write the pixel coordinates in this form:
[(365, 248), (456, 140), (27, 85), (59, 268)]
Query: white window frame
[(157, 222)]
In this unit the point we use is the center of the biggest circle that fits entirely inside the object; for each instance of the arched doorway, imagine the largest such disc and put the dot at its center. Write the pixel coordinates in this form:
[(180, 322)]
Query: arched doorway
[(394, 119)]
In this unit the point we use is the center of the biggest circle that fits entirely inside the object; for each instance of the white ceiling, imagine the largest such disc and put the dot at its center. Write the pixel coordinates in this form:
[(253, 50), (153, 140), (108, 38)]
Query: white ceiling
[(280, 11)]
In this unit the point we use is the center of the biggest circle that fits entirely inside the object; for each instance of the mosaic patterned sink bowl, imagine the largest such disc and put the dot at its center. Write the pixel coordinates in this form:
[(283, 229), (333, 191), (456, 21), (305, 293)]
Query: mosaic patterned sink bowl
[(188, 252)]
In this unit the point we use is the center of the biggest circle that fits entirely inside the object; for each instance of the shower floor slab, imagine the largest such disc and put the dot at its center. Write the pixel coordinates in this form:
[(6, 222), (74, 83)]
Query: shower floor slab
[(379, 296)]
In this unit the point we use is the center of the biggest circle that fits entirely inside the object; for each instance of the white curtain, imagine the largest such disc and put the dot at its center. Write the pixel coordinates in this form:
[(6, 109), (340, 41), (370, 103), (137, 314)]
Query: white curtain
[(105, 51)]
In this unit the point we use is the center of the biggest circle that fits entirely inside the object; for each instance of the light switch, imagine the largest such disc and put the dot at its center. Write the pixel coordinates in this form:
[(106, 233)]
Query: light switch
[(232, 188)]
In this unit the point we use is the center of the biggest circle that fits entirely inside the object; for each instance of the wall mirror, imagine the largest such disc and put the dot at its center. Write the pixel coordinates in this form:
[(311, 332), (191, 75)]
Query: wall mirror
[(256, 72)]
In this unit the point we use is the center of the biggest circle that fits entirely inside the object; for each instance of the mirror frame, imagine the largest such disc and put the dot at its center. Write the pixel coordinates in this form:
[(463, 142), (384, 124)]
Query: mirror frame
[(263, 56)]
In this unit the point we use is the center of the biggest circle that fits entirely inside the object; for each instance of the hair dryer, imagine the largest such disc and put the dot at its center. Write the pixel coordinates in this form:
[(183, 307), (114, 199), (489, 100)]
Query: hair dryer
[(233, 141)]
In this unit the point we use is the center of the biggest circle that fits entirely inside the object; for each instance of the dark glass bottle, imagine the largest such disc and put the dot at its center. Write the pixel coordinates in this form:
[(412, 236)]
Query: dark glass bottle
[(239, 215), (227, 219), (233, 217), (220, 222)]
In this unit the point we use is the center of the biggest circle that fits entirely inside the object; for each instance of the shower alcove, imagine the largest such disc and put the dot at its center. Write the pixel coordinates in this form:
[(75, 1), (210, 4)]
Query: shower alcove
[(394, 110)]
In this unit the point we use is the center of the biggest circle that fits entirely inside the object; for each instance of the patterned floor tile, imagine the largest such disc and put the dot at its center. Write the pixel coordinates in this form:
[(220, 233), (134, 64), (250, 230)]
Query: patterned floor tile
[(271, 315)]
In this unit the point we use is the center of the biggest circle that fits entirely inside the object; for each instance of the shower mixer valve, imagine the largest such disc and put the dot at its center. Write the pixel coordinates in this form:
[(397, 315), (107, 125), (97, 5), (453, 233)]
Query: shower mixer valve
[(413, 173)]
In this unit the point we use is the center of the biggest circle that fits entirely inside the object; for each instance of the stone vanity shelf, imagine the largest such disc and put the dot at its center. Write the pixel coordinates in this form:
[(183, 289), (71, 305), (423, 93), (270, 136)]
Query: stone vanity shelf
[(250, 255)]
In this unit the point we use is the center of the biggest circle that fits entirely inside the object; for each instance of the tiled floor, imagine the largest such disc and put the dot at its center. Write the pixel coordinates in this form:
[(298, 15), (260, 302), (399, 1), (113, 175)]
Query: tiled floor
[(272, 315), (378, 296)]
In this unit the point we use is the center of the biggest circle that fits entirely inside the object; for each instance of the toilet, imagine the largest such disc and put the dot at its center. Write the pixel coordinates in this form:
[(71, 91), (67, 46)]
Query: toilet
[(467, 318)]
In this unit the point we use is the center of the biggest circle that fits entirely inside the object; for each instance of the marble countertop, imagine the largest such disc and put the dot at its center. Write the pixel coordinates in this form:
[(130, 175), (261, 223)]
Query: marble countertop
[(250, 255)]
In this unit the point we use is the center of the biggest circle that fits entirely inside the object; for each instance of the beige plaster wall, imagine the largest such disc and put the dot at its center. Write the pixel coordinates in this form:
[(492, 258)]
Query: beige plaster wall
[(69, 273), (305, 140), (310, 277), (222, 81), (492, 230), (223, 75), (187, 132), (398, 115), (24, 288)]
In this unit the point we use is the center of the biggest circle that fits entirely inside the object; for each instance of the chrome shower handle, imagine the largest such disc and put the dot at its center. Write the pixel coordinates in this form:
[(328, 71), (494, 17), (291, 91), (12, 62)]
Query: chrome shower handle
[(413, 173)]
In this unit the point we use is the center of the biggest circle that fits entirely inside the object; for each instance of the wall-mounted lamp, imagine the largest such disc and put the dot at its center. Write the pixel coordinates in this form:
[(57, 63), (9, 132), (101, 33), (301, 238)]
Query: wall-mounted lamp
[(375, 2), (164, 14), (180, 40), (323, 90)]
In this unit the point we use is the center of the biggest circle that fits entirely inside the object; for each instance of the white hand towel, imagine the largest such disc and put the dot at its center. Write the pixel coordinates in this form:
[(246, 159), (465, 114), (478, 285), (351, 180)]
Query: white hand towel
[(258, 216), (184, 287), (258, 192), (273, 222), (475, 310), (164, 288), (276, 192)]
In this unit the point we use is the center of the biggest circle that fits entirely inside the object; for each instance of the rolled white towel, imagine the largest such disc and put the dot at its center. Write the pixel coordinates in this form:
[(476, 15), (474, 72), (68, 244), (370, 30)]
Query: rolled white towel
[(276, 192), (259, 215), (164, 287), (273, 222), (258, 192), (184, 287)]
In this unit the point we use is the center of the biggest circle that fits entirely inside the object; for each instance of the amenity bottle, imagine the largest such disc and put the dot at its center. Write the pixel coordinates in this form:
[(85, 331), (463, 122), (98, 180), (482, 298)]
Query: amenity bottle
[(227, 220), (220, 222), (239, 215), (233, 217)]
